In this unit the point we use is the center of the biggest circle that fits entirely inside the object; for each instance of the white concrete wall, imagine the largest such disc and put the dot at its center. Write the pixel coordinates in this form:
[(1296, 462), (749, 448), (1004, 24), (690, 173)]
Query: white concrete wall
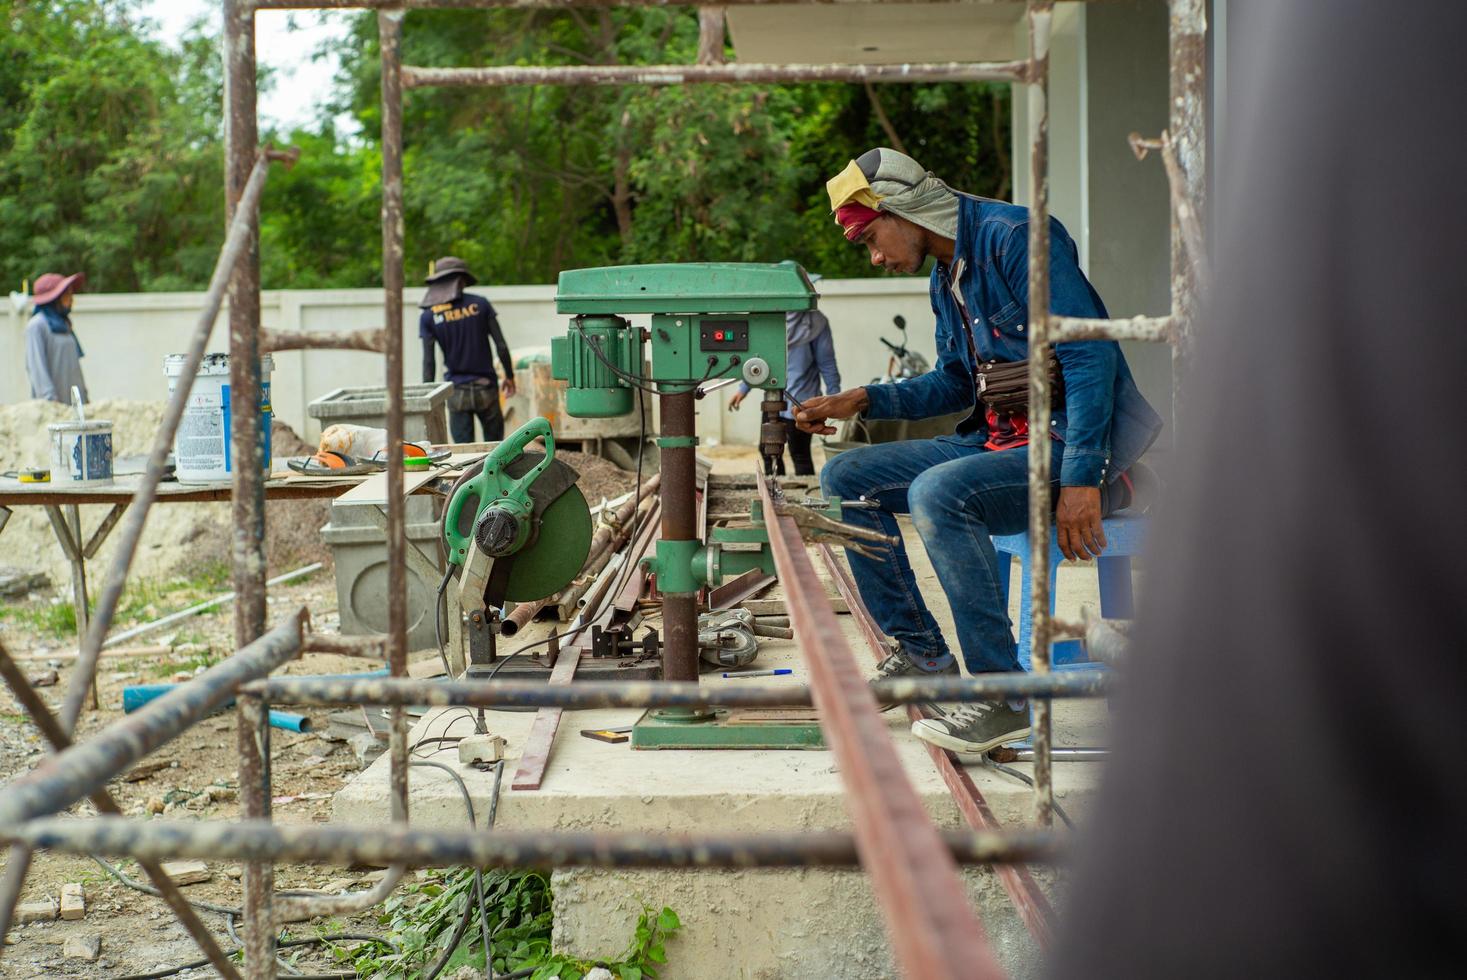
[(126, 337)]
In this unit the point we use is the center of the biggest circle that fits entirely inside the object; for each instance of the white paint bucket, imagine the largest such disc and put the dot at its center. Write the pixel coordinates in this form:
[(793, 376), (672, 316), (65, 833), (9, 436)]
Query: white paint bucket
[(81, 453), (202, 446)]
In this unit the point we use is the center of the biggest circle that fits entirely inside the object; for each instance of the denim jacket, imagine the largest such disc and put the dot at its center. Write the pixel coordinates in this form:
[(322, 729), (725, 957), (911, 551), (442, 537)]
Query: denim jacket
[(1105, 424)]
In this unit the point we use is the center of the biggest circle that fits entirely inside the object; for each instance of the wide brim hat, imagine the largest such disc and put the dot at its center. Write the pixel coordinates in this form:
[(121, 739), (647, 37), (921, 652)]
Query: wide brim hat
[(446, 279), (50, 286)]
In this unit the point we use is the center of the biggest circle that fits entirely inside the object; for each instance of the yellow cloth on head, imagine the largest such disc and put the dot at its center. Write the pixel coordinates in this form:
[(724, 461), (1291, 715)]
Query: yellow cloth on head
[(851, 185)]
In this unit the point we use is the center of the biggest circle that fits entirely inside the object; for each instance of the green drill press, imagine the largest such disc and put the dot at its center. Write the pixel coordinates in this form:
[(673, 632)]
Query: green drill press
[(710, 322)]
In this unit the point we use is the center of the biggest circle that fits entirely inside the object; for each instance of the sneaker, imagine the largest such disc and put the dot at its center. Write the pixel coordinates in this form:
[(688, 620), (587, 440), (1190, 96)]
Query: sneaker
[(899, 665), (975, 726)]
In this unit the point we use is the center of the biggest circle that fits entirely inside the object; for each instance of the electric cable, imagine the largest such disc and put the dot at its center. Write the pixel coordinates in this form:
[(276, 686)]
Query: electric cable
[(1010, 770), (439, 614)]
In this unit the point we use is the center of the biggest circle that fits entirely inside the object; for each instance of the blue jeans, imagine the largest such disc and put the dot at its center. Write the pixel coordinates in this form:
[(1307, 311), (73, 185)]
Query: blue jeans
[(958, 494)]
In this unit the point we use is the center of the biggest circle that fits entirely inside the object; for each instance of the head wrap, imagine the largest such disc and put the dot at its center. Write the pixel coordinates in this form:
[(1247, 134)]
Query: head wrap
[(883, 180)]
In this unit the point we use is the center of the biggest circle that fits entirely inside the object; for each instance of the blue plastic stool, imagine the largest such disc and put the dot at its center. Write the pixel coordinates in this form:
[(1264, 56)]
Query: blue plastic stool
[(1124, 537)]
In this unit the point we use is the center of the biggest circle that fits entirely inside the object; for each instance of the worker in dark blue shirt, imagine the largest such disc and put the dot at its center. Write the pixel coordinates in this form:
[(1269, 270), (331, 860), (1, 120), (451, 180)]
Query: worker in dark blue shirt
[(463, 324)]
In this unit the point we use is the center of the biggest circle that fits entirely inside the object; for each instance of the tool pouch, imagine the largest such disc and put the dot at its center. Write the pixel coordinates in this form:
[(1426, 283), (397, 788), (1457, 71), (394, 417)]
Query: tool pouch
[(1003, 386), (472, 397)]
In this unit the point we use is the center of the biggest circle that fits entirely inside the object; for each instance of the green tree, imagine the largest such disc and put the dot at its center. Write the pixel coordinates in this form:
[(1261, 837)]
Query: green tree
[(112, 164)]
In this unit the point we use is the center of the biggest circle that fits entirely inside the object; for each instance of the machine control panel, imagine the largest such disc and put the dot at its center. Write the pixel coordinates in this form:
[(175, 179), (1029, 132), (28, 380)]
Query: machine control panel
[(716, 335)]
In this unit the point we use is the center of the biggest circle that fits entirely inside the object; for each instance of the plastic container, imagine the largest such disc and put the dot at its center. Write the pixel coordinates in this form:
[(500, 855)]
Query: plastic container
[(360, 557), (202, 447), (81, 453)]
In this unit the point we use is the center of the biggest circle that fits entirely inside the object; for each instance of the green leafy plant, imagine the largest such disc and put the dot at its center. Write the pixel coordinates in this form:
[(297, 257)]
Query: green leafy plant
[(422, 918)]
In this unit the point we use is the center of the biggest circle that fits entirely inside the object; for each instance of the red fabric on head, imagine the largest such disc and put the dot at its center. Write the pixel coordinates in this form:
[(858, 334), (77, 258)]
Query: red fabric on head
[(854, 217)]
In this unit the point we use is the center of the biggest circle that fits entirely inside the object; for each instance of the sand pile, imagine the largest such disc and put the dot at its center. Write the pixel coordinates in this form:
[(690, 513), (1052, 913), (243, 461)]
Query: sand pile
[(177, 537)]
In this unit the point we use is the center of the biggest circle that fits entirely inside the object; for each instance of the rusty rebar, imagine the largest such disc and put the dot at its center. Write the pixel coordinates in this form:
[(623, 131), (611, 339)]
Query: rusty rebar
[(66, 777), (932, 928), (20, 856), (1028, 898), (264, 841), (1040, 16)]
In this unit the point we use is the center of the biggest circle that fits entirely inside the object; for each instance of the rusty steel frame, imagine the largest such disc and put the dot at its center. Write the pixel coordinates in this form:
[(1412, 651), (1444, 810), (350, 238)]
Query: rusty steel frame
[(912, 866)]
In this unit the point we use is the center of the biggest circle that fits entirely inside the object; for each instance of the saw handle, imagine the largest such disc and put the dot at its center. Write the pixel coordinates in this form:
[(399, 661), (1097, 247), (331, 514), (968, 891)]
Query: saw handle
[(487, 485)]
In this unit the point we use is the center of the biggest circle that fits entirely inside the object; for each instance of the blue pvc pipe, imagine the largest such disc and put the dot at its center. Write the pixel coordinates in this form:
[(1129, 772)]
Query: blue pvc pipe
[(134, 696), (289, 722)]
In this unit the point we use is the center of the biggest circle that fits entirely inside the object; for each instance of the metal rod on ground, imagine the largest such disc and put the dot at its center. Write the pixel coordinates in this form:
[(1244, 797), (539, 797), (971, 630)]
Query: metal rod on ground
[(255, 840), (50, 728), (235, 241), (679, 523), (932, 929), (200, 607), (1040, 17), (72, 775), (737, 73), (322, 691), (389, 32)]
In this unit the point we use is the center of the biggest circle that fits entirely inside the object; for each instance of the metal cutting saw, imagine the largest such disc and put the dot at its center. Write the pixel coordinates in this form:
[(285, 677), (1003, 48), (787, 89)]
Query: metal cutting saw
[(516, 529)]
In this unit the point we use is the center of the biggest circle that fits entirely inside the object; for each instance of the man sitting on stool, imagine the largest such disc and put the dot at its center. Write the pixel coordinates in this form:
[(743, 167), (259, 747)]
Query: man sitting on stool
[(964, 487), (464, 324)]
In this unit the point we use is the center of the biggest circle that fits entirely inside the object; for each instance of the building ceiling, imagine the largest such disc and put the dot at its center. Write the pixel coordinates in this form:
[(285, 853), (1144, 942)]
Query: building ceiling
[(875, 33)]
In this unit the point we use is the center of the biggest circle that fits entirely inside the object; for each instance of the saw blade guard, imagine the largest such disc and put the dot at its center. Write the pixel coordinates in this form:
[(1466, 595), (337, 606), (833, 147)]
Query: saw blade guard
[(536, 493)]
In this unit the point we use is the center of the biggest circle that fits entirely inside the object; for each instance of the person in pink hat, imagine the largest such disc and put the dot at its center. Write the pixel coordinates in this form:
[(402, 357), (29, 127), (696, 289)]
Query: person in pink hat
[(52, 352)]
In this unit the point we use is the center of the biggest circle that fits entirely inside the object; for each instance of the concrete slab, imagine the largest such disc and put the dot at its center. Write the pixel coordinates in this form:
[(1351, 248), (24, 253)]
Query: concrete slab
[(761, 924)]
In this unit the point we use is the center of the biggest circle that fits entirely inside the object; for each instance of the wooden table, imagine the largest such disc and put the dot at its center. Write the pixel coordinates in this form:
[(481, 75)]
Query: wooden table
[(63, 507)]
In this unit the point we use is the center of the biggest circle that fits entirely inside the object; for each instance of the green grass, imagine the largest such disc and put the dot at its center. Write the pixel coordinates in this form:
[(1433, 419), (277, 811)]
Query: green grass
[(421, 917), (141, 602)]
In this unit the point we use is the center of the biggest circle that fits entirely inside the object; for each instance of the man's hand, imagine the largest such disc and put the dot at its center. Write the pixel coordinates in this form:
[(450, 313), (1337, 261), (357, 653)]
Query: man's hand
[(810, 416), (736, 400), (1077, 523), (509, 387)]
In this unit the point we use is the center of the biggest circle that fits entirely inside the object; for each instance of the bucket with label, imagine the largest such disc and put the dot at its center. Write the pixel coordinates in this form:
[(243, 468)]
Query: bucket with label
[(202, 448), (81, 453)]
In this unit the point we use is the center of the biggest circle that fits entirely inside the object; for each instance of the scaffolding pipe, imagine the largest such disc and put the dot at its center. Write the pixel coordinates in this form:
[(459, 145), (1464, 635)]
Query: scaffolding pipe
[(526, 4), (736, 73), (582, 695), (247, 500), (1040, 20), (389, 30), (257, 840)]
